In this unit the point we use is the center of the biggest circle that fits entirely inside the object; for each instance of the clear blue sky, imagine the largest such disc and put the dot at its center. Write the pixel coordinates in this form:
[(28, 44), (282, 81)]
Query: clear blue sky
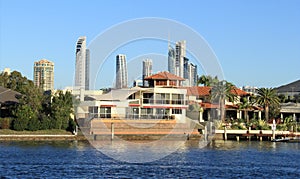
[(256, 42)]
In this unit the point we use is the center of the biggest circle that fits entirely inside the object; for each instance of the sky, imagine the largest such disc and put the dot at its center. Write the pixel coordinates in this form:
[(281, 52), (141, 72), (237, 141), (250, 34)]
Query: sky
[(257, 43)]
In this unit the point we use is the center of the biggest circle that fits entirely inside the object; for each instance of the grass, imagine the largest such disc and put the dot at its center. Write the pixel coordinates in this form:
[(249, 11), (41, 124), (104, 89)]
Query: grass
[(39, 132)]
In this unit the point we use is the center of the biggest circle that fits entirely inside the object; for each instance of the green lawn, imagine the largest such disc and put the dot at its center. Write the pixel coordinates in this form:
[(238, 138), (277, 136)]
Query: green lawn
[(49, 132)]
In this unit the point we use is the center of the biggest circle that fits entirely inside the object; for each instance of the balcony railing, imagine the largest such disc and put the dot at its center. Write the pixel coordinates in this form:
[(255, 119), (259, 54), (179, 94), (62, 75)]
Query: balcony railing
[(176, 102)]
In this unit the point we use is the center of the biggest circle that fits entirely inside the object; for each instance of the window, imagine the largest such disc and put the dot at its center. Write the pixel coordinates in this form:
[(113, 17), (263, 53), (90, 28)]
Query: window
[(162, 98), (147, 98), (105, 112), (177, 99), (176, 111)]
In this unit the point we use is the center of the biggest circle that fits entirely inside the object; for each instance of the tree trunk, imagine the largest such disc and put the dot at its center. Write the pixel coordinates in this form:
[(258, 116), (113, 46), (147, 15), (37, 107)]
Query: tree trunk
[(267, 113), (222, 109), (246, 115)]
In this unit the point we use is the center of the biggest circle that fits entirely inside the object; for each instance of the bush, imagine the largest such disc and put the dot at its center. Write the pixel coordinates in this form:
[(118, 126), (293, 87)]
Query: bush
[(20, 124), (45, 124), (33, 125), (5, 123), (260, 125), (237, 126)]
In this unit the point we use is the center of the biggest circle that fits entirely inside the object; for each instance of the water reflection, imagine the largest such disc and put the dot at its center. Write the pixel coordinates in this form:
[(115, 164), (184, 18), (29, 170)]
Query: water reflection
[(220, 159)]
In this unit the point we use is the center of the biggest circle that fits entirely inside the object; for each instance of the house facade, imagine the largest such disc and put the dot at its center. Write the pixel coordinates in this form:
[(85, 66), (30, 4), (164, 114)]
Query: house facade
[(163, 99)]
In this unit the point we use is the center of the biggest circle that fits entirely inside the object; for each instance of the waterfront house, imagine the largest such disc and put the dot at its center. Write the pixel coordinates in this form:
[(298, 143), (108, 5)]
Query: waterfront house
[(162, 99)]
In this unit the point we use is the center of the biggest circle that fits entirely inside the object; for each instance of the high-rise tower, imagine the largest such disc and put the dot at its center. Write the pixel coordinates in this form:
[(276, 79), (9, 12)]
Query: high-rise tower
[(171, 60), (82, 65), (121, 72), (179, 58), (43, 74), (147, 69)]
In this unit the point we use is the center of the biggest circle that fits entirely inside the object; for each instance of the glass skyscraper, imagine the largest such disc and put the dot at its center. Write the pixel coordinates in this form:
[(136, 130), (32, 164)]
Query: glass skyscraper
[(82, 65), (147, 69), (121, 72)]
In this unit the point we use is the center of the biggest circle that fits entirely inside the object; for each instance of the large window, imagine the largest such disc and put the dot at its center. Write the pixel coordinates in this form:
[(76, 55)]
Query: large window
[(147, 98), (177, 99), (176, 111), (105, 112), (93, 111), (161, 83), (147, 113), (162, 98)]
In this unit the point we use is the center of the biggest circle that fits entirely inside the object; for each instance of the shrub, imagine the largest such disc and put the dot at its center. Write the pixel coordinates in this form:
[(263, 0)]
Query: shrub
[(20, 124), (33, 125), (5, 123), (237, 126)]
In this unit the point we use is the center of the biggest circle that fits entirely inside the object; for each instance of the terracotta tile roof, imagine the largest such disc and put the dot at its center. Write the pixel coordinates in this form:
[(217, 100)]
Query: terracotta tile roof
[(198, 90), (205, 91), (208, 105), (164, 76), (239, 92)]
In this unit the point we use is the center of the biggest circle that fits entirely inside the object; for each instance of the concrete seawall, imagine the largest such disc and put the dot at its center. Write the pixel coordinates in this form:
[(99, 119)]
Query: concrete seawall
[(21, 137)]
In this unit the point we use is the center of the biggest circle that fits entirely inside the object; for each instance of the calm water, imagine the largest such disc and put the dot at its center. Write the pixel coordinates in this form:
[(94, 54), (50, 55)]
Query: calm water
[(220, 159)]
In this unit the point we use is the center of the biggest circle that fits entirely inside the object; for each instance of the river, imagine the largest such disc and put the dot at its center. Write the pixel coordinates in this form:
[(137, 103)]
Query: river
[(220, 159)]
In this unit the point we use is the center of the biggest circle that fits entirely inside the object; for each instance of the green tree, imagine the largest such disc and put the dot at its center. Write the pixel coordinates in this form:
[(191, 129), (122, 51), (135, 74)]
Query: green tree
[(267, 97), (245, 106), (221, 92), (207, 80), (61, 108), (24, 114)]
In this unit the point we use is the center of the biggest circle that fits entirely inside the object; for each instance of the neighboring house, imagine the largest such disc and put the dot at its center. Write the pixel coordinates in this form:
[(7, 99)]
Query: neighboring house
[(200, 96), (290, 89), (290, 109), (8, 98)]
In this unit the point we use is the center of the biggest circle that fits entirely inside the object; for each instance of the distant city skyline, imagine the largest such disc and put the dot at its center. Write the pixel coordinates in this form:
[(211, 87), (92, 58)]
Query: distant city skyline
[(255, 44)]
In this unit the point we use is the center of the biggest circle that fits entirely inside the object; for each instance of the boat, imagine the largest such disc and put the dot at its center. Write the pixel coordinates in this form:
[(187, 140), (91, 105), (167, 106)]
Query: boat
[(281, 140)]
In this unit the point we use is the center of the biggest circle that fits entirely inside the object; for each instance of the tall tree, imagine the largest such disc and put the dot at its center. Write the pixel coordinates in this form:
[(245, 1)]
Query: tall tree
[(61, 108), (267, 97), (221, 92), (245, 106), (207, 80)]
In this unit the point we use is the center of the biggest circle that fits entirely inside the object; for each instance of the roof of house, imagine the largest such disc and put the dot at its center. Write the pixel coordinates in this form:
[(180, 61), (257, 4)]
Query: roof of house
[(164, 76), (291, 87), (8, 95), (118, 95), (205, 91), (198, 90), (239, 92)]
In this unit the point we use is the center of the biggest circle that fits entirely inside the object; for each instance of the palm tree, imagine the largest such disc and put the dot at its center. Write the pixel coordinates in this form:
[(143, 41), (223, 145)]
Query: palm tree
[(207, 80), (245, 105), (220, 92), (267, 97)]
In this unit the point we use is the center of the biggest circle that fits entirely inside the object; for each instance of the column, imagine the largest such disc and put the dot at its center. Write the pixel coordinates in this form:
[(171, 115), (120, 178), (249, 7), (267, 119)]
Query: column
[(201, 115), (238, 114)]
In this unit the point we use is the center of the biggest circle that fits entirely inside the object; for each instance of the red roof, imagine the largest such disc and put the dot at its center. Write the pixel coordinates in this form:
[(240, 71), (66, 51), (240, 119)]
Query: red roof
[(239, 92), (198, 90), (205, 91), (208, 105), (164, 76)]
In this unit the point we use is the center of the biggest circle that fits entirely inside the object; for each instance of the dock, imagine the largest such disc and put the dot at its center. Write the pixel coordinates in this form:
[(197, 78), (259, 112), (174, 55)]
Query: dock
[(262, 135)]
